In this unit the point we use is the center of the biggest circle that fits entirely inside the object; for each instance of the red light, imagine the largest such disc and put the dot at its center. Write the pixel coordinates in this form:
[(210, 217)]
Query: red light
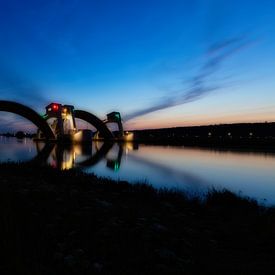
[(55, 107)]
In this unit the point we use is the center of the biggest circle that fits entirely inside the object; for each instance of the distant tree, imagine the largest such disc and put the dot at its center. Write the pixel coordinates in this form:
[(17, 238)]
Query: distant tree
[(20, 134)]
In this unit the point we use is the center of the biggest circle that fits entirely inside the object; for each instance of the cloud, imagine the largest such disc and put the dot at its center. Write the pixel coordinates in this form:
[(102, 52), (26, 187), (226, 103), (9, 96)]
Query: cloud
[(10, 122), (200, 84)]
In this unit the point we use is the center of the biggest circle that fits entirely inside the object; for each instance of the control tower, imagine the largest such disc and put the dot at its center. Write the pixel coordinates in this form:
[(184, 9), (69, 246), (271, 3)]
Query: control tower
[(115, 117), (63, 124)]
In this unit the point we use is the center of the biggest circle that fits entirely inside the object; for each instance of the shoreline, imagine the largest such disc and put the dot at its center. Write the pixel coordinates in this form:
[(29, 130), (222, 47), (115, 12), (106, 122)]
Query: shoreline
[(69, 222)]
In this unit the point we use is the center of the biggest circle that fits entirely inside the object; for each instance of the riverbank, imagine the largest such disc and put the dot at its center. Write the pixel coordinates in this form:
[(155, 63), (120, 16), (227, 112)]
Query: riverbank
[(68, 222), (237, 135)]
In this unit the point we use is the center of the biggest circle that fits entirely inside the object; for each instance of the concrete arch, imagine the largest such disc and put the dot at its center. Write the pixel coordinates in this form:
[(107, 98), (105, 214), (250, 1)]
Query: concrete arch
[(119, 128), (28, 113), (95, 121)]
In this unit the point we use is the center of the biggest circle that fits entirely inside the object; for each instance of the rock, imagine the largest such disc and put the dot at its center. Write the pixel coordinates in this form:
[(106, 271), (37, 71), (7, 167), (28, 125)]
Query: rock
[(61, 246), (58, 256), (169, 206), (159, 227), (97, 267), (102, 203), (69, 260), (78, 253), (59, 200), (72, 233), (74, 192), (24, 192), (165, 253)]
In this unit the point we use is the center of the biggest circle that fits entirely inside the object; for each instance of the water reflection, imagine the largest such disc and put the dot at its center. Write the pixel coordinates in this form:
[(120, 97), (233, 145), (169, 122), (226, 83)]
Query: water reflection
[(190, 169), (110, 155), (80, 155), (13, 149)]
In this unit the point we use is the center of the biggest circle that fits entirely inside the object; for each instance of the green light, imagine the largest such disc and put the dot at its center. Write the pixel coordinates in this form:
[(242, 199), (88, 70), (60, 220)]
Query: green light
[(116, 166), (117, 115)]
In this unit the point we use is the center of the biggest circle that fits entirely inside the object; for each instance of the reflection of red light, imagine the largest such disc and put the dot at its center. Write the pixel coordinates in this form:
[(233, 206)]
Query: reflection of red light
[(55, 107)]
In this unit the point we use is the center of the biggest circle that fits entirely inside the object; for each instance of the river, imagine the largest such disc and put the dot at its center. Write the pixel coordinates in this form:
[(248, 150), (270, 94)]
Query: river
[(191, 169)]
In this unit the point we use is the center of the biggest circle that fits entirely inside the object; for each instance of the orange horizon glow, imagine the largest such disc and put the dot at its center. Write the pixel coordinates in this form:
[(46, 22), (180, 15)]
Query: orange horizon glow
[(157, 121), (233, 119)]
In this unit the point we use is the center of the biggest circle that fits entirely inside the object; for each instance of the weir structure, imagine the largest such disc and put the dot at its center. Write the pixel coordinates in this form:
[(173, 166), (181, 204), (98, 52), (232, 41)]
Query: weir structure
[(58, 123), (30, 114)]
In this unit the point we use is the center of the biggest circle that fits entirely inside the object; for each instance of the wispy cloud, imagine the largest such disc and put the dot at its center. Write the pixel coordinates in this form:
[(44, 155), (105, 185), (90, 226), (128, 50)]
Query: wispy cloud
[(200, 84)]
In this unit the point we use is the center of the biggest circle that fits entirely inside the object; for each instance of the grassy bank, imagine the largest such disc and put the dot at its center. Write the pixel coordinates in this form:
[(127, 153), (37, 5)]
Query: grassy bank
[(68, 222)]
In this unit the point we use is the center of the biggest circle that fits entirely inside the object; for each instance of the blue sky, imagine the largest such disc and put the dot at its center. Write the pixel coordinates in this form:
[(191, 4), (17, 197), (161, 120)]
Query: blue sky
[(189, 62)]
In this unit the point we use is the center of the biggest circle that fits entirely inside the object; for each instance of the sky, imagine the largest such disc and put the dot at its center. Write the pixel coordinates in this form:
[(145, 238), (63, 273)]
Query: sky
[(161, 63)]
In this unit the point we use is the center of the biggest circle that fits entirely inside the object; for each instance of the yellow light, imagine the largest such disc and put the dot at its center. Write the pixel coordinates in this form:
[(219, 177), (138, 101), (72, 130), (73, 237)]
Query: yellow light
[(129, 136)]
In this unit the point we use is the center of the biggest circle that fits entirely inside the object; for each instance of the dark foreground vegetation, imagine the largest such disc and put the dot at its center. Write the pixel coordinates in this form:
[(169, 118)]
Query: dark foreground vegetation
[(54, 222)]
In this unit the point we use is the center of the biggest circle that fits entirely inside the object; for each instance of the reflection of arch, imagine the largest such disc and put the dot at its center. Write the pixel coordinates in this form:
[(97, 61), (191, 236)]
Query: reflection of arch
[(102, 152), (95, 121), (114, 164), (30, 114), (43, 154)]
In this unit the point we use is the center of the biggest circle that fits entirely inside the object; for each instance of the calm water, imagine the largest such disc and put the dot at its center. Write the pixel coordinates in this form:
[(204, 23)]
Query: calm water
[(194, 170)]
